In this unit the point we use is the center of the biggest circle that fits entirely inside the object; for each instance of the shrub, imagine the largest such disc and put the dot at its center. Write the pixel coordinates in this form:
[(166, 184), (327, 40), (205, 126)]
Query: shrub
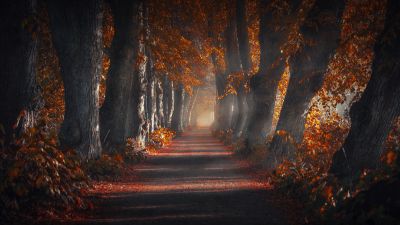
[(332, 201), (162, 136), (38, 178)]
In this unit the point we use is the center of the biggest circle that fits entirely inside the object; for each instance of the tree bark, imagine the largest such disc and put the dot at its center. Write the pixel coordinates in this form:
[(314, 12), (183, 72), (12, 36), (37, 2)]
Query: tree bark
[(226, 112), (177, 117), (167, 99), (228, 107), (171, 103), (192, 105), (373, 115), (307, 70), (137, 126), (264, 85), (76, 30), (151, 101), (220, 90), (160, 104), (243, 35), (186, 104), (124, 48), (245, 61), (18, 45), (220, 78)]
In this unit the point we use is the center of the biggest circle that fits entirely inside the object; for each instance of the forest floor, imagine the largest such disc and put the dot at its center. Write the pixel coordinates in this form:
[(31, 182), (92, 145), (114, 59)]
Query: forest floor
[(195, 180)]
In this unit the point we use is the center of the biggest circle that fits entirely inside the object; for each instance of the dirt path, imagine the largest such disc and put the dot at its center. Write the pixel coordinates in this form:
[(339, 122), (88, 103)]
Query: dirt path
[(193, 181)]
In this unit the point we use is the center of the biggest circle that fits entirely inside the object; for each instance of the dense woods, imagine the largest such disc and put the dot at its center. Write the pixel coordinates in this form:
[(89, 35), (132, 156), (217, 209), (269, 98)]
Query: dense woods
[(306, 91)]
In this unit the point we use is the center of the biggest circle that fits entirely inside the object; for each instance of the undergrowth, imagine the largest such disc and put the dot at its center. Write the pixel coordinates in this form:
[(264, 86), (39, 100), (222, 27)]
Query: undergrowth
[(335, 202), (41, 181), (372, 197), (38, 179)]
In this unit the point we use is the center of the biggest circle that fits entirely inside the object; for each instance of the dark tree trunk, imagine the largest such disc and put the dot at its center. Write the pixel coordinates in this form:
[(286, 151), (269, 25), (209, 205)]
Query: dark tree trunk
[(76, 29), (220, 78), (137, 126), (177, 117), (243, 35), (186, 111), (373, 115), (220, 89), (242, 116), (307, 70), (18, 45), (264, 85), (193, 103), (167, 97), (226, 112), (114, 112), (151, 104), (160, 103), (171, 103), (245, 60), (228, 107)]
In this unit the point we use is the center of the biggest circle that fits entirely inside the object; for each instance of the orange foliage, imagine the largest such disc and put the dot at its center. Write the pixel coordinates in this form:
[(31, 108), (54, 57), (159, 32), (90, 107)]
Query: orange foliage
[(37, 177), (327, 119), (347, 75), (280, 96), (162, 136), (178, 41), (253, 20), (48, 74), (108, 35)]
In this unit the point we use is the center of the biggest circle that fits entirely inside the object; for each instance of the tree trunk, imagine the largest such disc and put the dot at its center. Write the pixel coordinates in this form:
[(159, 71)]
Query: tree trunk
[(264, 85), (76, 30), (137, 126), (151, 104), (228, 108), (226, 112), (220, 78), (220, 89), (171, 103), (243, 111), (18, 45), (307, 70), (177, 116), (114, 112), (167, 97), (188, 106), (193, 103), (160, 104), (245, 60), (243, 35), (373, 115)]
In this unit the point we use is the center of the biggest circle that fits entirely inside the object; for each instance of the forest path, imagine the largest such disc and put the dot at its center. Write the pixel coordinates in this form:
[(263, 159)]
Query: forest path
[(193, 181)]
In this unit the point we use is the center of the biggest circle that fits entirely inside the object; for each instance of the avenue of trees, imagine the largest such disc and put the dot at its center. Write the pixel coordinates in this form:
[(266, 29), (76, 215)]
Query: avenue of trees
[(312, 85)]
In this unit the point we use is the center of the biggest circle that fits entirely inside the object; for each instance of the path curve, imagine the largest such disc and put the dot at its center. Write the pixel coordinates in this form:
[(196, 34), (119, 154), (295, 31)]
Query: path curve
[(191, 182)]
